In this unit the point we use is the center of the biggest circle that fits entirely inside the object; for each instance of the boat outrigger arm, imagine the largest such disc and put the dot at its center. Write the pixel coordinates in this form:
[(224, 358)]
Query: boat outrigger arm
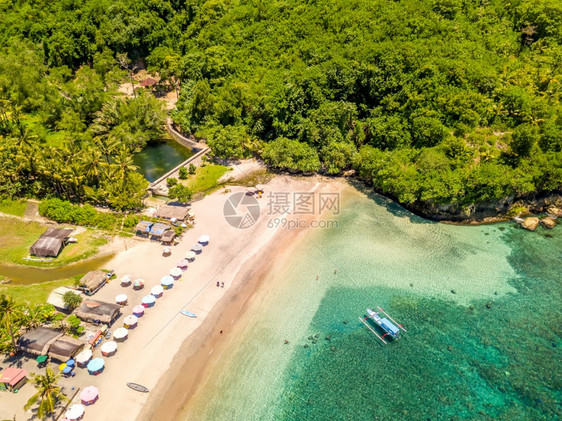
[(385, 324)]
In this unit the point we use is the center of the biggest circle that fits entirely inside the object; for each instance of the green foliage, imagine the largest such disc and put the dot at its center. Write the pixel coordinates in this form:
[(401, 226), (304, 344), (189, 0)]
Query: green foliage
[(182, 193), (192, 168), (228, 142), (292, 155), (131, 221), (523, 139), (48, 393), (75, 325), (171, 181), (183, 173), (66, 212), (71, 300)]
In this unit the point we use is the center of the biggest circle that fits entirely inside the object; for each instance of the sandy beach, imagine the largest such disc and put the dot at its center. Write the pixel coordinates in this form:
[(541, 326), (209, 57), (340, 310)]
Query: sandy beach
[(167, 352)]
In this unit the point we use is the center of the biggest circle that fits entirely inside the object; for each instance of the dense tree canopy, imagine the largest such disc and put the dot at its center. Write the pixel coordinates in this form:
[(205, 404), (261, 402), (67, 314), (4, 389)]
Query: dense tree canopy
[(429, 100)]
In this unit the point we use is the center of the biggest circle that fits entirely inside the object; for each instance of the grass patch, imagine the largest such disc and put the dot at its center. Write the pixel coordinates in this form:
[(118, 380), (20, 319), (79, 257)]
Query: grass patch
[(17, 236), (13, 207), (254, 178), (50, 137), (35, 293), (205, 178)]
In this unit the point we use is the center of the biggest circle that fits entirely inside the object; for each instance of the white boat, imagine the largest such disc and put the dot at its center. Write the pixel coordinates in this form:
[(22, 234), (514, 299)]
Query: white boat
[(188, 313)]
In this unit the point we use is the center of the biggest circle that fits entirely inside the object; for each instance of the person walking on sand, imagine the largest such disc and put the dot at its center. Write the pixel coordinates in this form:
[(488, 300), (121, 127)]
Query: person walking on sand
[(218, 284), (222, 284)]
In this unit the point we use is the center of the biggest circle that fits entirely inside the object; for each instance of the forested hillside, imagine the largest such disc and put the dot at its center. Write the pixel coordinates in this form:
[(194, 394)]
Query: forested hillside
[(432, 101)]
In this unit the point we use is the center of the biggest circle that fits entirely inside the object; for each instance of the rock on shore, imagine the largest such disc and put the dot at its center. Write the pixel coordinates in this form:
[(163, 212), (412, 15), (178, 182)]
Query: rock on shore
[(548, 222), (531, 223)]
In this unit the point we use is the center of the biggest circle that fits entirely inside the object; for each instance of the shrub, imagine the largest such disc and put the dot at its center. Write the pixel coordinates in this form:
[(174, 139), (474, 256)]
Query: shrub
[(71, 300), (75, 325), (192, 168), (171, 182), (183, 173), (180, 192), (131, 221)]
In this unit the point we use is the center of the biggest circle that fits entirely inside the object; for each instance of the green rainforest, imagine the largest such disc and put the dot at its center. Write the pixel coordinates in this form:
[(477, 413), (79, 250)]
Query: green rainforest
[(430, 101)]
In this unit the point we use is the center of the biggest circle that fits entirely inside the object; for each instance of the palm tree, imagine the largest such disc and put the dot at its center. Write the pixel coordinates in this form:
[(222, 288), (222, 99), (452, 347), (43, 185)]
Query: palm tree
[(92, 163), (48, 393), (123, 164), (10, 313)]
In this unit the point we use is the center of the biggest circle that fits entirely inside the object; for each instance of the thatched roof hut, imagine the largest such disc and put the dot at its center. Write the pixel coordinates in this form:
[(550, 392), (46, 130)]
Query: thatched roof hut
[(56, 298), (65, 348), (168, 236), (38, 341), (93, 281), (148, 82), (143, 227), (170, 212), (50, 243), (158, 230), (98, 312)]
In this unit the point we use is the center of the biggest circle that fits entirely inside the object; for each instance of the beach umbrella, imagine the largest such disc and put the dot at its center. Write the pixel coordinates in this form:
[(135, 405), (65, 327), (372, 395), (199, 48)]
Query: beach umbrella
[(67, 370), (70, 363), (167, 281), (138, 284), (166, 251), (89, 395), (62, 366), (182, 264), (204, 239), (197, 248), (190, 213), (121, 299), (75, 412), (130, 322), (175, 272), (157, 291), (148, 301), (83, 358), (41, 358), (126, 280), (138, 310), (120, 334), (109, 348), (96, 366), (190, 255)]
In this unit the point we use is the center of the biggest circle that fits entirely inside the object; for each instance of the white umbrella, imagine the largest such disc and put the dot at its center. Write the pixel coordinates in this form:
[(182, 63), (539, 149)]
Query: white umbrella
[(130, 320), (120, 333), (74, 412), (175, 272), (109, 347), (204, 239), (182, 264), (157, 290), (126, 280), (84, 356), (190, 255), (197, 248), (121, 298), (166, 250)]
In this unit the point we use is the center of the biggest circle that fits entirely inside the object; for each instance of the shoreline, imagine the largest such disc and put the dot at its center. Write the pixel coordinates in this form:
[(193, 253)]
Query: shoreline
[(176, 387)]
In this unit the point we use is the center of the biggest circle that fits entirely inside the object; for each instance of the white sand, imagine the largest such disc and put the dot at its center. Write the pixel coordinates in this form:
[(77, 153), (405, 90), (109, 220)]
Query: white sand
[(150, 350)]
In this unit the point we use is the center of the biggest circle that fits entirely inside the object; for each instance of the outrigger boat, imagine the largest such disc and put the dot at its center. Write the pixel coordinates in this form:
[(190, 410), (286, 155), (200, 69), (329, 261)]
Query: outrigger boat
[(188, 313), (391, 329)]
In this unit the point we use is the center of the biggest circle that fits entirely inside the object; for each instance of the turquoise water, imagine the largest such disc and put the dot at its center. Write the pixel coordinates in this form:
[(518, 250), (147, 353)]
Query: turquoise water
[(481, 305), (158, 158)]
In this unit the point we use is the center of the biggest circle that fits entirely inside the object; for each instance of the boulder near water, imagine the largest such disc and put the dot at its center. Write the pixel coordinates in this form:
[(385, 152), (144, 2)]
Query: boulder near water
[(553, 210), (531, 223), (548, 222)]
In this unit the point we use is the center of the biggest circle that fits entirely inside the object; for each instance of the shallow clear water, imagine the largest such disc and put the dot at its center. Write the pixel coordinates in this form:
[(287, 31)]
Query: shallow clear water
[(158, 158), (490, 350)]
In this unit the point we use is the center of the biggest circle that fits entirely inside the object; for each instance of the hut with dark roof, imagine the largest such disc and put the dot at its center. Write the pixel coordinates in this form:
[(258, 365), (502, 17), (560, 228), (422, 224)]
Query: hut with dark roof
[(38, 341), (92, 282), (172, 212), (50, 243), (98, 312), (64, 348)]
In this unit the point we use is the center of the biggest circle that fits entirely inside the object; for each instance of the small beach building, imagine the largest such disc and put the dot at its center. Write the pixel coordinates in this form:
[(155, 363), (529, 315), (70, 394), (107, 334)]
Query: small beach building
[(178, 212), (38, 341), (50, 243), (168, 237), (56, 298), (98, 312), (158, 230), (143, 227), (12, 378), (92, 282), (148, 82), (65, 348)]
